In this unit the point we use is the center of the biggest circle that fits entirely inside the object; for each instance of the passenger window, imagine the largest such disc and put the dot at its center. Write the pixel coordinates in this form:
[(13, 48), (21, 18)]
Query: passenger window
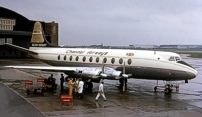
[(70, 58), (77, 58), (105, 60), (97, 59), (58, 57), (91, 59), (120, 60), (113, 60), (129, 61), (172, 58), (65, 57), (84, 59)]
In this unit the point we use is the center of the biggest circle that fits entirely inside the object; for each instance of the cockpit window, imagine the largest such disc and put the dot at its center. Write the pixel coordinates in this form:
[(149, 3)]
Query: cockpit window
[(177, 58), (184, 63), (172, 58)]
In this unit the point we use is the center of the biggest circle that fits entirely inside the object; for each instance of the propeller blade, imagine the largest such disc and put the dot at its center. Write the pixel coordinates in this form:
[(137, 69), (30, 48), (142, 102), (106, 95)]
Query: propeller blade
[(124, 70)]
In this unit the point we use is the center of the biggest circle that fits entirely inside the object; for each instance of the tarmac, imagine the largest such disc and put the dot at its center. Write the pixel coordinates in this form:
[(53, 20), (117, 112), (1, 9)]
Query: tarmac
[(139, 100)]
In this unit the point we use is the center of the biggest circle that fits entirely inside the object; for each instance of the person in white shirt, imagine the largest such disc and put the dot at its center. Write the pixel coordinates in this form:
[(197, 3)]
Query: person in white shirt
[(80, 88), (101, 92)]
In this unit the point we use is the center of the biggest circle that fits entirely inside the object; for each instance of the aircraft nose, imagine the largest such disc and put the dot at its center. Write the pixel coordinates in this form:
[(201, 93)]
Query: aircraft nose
[(194, 73)]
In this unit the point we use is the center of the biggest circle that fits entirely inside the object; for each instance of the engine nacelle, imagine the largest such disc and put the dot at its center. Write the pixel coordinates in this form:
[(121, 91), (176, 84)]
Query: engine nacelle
[(112, 73), (95, 73), (90, 72)]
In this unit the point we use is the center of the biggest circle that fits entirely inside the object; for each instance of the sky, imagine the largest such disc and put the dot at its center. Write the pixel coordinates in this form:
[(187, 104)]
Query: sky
[(117, 22)]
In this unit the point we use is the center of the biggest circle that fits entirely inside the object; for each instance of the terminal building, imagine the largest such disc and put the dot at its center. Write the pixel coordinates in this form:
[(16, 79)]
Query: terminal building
[(17, 29)]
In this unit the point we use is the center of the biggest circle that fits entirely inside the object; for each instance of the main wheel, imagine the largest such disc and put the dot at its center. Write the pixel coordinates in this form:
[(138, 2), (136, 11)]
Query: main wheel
[(166, 90), (28, 91), (155, 88), (88, 86)]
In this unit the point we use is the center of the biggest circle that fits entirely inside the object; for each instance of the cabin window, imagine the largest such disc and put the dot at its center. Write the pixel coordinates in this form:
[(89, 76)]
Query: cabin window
[(65, 57), (172, 58), (113, 60), (84, 59), (129, 61), (91, 59), (120, 60), (77, 58), (70, 58), (105, 60), (97, 59), (58, 57)]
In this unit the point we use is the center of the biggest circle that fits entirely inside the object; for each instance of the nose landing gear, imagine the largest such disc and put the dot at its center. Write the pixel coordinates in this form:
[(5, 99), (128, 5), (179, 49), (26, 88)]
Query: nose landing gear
[(168, 88)]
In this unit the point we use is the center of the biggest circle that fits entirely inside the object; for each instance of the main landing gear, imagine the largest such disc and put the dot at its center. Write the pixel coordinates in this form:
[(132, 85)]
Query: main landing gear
[(88, 85)]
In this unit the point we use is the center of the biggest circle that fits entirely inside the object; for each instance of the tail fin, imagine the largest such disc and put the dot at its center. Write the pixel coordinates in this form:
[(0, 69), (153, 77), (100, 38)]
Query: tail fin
[(38, 39)]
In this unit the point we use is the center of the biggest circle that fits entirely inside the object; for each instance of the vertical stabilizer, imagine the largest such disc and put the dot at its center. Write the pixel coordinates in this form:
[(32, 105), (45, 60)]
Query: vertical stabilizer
[(37, 36), (38, 39)]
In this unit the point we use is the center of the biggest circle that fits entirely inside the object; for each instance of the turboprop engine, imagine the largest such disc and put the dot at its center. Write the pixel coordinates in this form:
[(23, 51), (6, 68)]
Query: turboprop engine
[(93, 73)]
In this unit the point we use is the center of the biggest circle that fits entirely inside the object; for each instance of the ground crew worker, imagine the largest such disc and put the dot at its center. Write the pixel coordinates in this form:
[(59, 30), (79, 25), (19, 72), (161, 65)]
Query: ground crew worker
[(80, 88), (76, 87), (50, 79), (71, 85), (62, 79), (101, 92)]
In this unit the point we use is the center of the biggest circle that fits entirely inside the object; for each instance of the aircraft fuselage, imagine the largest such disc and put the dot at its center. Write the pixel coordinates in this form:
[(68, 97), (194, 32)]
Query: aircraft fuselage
[(141, 64)]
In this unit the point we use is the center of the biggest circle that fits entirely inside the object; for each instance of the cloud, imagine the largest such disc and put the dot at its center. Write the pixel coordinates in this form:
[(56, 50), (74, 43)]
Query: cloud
[(118, 22)]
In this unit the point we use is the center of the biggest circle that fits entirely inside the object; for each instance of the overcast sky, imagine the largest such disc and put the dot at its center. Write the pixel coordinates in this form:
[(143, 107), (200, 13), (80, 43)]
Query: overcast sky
[(117, 22)]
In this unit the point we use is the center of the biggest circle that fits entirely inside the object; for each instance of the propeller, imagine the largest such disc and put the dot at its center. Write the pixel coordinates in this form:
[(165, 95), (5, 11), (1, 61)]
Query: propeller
[(124, 71), (125, 76), (103, 74)]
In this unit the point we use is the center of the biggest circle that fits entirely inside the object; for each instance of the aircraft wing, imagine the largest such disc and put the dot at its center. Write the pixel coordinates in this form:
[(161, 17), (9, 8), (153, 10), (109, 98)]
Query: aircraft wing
[(44, 68), (89, 72)]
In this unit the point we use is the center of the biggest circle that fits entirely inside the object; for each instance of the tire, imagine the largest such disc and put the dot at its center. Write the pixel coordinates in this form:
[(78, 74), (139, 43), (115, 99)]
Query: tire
[(166, 90), (155, 88), (35, 91), (28, 91), (88, 86)]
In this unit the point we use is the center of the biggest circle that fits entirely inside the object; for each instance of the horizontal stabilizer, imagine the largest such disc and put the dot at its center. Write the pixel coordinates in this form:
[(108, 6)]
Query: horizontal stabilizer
[(21, 48)]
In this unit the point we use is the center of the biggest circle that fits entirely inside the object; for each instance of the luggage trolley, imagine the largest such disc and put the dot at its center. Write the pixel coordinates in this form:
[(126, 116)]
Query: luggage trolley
[(29, 86), (34, 87), (39, 86)]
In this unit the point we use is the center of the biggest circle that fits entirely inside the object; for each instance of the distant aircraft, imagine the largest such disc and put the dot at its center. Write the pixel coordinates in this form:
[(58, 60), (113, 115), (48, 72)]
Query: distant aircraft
[(112, 64)]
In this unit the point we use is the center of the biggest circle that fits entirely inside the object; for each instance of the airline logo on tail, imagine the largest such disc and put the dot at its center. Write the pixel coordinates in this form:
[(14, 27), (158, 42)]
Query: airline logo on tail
[(38, 39), (37, 36)]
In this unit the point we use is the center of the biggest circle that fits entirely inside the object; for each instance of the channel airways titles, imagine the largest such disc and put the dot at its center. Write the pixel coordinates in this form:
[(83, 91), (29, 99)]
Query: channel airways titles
[(89, 52)]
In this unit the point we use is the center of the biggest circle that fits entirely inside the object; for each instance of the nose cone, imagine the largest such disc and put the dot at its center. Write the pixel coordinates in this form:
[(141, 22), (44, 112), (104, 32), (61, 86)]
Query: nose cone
[(193, 74)]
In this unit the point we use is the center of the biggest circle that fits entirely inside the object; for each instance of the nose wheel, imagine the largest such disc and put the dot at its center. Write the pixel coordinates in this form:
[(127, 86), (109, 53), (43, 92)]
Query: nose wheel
[(168, 88)]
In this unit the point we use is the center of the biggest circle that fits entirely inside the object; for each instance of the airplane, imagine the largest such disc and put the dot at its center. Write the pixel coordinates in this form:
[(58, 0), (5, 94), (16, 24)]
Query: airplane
[(114, 64)]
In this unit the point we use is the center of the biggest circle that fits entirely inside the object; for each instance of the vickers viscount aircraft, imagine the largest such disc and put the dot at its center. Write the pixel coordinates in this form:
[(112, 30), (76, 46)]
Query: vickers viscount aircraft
[(113, 64)]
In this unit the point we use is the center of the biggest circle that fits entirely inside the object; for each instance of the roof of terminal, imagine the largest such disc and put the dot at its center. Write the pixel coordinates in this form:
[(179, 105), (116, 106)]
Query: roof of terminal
[(16, 33)]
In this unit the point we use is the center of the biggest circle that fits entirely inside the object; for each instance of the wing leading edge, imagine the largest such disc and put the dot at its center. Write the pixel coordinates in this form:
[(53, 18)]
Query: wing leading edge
[(44, 68)]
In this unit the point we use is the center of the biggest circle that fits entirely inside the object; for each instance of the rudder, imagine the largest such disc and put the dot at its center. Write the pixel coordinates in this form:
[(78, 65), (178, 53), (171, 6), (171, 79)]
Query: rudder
[(38, 39)]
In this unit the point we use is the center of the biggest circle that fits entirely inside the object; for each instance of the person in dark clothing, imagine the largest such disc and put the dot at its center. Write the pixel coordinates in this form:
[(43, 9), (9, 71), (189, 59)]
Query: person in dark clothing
[(50, 79), (62, 79)]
